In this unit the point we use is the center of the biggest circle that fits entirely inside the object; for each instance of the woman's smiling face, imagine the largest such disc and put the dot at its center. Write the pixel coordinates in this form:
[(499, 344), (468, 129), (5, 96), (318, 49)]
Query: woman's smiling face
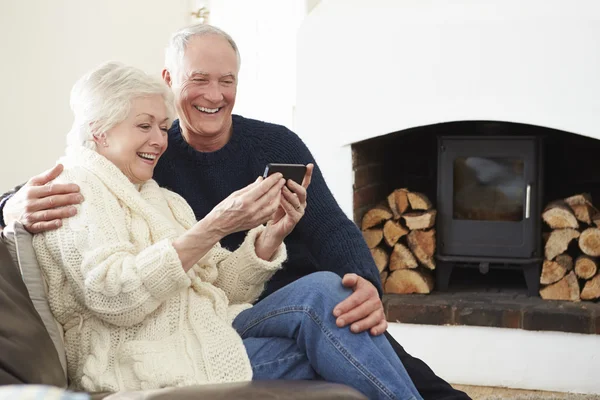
[(136, 144)]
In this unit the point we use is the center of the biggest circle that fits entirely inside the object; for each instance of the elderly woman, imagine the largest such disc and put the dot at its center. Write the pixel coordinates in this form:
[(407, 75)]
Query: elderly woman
[(146, 295)]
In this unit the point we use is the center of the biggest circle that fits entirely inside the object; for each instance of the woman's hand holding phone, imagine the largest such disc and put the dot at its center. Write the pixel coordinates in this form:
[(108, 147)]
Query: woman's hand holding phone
[(248, 207), (292, 206)]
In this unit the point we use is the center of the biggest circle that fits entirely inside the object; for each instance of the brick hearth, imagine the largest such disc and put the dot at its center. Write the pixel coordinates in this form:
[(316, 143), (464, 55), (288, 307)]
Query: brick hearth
[(506, 309)]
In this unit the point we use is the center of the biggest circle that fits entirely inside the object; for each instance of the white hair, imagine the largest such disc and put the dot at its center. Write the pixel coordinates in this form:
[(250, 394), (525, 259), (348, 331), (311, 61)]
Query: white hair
[(101, 99), (180, 39)]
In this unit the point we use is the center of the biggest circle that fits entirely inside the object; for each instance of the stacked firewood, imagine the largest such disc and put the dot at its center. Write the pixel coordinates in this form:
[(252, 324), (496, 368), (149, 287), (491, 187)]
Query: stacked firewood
[(572, 248), (401, 236)]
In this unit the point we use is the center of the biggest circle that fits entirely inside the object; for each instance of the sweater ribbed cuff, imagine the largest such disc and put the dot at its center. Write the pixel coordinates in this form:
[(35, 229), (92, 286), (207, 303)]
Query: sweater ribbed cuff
[(250, 243), (161, 271), (259, 270)]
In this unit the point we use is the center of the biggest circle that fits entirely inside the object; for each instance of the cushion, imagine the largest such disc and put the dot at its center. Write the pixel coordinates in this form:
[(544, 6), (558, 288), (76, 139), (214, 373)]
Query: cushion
[(39, 392), (27, 353), (20, 246)]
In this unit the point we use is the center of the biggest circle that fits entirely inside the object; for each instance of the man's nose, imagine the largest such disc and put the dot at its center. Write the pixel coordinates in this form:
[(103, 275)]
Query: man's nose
[(214, 94)]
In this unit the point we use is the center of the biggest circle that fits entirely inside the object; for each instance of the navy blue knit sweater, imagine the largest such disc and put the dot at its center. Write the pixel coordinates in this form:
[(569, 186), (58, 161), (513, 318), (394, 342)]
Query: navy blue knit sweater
[(324, 239)]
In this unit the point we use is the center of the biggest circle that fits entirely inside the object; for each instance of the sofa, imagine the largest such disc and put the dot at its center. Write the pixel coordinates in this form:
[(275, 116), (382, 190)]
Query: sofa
[(32, 359)]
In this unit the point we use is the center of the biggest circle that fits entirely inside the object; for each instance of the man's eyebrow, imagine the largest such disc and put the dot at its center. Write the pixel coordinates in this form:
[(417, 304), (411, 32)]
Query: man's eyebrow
[(198, 72)]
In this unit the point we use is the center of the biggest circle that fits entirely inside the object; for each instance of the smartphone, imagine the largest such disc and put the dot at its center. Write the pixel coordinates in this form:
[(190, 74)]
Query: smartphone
[(294, 172)]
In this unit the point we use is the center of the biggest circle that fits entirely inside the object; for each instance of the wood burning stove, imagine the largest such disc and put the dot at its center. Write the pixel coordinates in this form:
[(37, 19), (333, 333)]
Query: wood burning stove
[(489, 196)]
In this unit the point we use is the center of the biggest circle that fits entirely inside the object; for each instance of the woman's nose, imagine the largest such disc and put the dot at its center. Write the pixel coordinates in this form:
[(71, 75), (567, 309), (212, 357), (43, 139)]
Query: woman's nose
[(158, 137)]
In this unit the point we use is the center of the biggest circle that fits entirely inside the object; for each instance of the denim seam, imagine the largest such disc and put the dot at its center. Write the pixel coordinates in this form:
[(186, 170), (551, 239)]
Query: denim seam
[(329, 336), (278, 360)]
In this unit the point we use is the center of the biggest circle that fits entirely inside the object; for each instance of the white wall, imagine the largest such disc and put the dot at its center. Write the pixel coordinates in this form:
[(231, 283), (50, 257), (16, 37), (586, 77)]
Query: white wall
[(265, 32), (515, 358), (46, 45), (368, 70)]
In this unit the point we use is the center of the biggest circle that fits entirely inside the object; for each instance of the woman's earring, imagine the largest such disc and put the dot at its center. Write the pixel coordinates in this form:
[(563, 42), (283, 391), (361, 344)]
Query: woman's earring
[(105, 144)]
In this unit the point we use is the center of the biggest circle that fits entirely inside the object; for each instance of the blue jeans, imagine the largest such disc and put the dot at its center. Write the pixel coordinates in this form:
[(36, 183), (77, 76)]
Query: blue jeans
[(291, 334)]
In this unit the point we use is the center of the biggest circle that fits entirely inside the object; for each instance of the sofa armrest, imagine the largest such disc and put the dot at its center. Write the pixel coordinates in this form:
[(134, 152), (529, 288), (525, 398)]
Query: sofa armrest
[(289, 390)]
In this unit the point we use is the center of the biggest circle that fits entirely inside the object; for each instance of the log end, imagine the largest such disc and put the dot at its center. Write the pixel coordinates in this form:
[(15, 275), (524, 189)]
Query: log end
[(589, 242), (560, 217), (381, 258), (407, 281), (419, 201), (558, 242), (372, 237), (565, 289), (375, 216), (402, 258)]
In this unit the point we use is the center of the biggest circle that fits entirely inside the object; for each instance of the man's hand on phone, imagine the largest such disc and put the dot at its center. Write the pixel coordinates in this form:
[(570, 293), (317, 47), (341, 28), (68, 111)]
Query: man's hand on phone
[(293, 206), (41, 205)]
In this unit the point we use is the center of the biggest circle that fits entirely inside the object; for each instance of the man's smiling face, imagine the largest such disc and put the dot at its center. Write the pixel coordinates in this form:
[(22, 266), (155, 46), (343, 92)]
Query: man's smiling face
[(205, 87)]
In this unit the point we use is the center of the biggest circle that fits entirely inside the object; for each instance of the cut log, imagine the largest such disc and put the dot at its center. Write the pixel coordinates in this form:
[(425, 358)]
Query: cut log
[(565, 289), (375, 216), (596, 220), (422, 245), (584, 213), (552, 271), (392, 232), (591, 290), (579, 199), (423, 220), (418, 201), (405, 281), (585, 267), (373, 237), (398, 202), (383, 275), (589, 242), (558, 242), (402, 258), (402, 200), (582, 206), (558, 215), (381, 258), (565, 260), (391, 199)]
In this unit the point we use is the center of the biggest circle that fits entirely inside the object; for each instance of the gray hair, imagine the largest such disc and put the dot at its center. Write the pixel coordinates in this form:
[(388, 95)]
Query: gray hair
[(180, 39), (102, 98)]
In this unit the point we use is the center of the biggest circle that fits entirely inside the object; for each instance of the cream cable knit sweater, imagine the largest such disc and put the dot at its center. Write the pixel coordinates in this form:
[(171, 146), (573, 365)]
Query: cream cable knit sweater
[(133, 319)]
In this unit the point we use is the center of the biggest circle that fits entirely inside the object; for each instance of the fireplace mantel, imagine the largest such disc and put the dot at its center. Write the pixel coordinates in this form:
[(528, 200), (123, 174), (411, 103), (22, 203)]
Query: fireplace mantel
[(369, 69)]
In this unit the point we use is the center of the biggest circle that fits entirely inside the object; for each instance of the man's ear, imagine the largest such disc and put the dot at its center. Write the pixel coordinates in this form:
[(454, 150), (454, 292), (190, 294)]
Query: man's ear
[(166, 75)]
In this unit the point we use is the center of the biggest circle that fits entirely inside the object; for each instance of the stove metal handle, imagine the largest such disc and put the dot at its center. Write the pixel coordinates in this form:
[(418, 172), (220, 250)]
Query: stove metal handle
[(527, 200)]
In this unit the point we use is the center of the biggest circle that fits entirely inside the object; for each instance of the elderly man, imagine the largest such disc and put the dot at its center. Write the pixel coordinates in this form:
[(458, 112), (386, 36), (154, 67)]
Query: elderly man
[(211, 148)]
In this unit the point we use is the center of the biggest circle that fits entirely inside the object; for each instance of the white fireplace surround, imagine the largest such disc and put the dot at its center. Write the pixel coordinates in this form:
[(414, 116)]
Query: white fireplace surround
[(370, 68)]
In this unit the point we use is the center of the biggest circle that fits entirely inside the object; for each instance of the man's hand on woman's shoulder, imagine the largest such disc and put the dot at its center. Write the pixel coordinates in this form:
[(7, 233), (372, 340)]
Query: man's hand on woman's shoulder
[(41, 205)]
